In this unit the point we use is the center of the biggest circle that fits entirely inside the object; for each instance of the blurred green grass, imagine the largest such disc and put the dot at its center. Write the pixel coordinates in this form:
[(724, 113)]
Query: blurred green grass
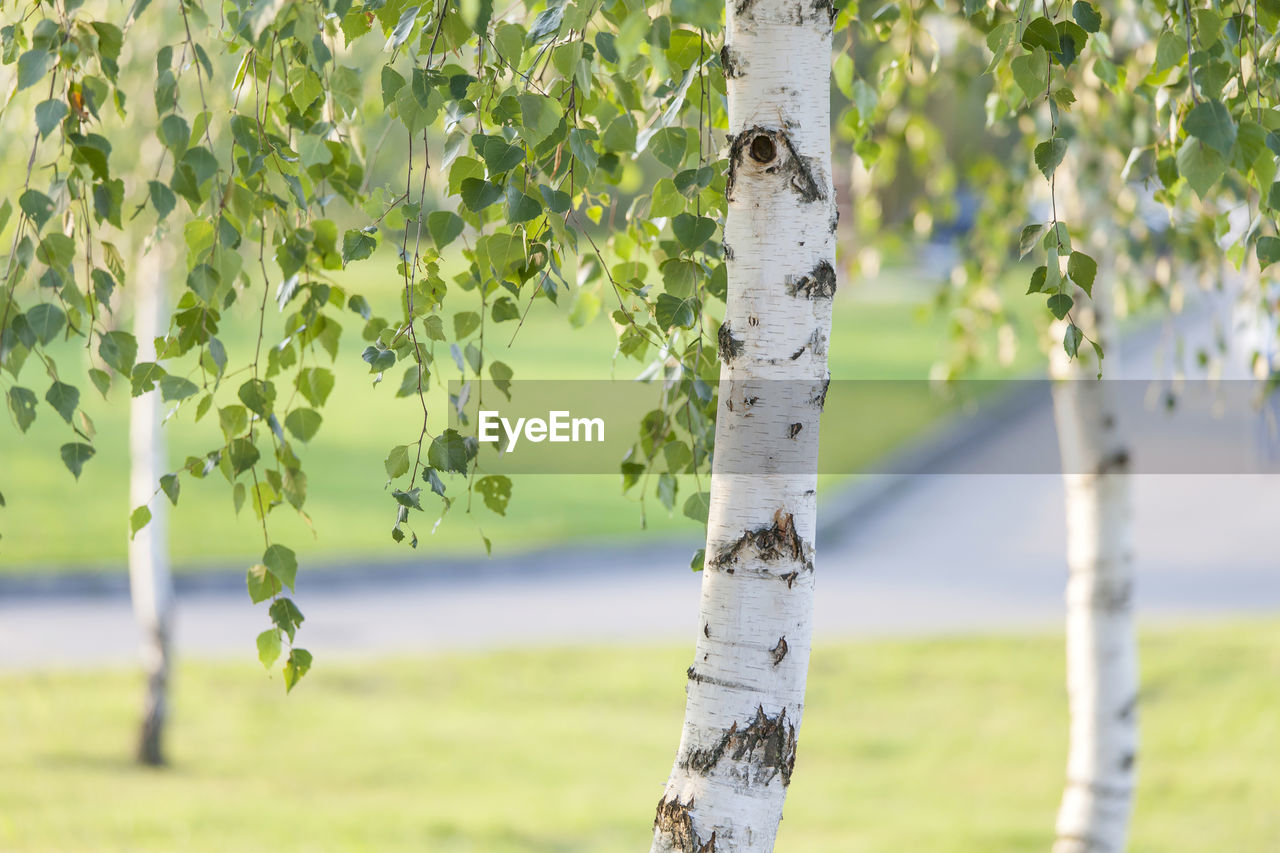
[(943, 745), (53, 522)]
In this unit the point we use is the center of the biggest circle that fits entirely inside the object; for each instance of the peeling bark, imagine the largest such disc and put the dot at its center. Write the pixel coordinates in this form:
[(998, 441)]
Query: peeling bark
[(730, 347), (818, 283), (674, 824)]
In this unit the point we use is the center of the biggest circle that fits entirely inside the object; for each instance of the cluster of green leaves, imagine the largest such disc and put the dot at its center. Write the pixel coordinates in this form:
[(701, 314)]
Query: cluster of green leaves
[(560, 149), (1170, 102)]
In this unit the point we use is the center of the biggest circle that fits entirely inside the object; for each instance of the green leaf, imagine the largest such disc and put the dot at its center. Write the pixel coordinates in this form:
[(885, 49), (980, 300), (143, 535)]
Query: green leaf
[(444, 226), (286, 616), (46, 321), (397, 461), (315, 383), (22, 402), (1060, 304), (699, 560), (697, 506), (1082, 269), (666, 199), (674, 311), (295, 667), (282, 563), (64, 398), (119, 350), (541, 116), (496, 491), (669, 145), (1086, 16), (1040, 33), (692, 231), (262, 584), (379, 359), (49, 114), (101, 380), (175, 388), (1049, 154), (521, 207), (269, 645), (1268, 251), (32, 66), (138, 520), (450, 452), (74, 455), (171, 486), (477, 194), (162, 198), (1027, 242), (258, 395), (1201, 165), (1071, 340), (358, 245), (1210, 122), (303, 423), (36, 205), (1037, 279), (1031, 73)]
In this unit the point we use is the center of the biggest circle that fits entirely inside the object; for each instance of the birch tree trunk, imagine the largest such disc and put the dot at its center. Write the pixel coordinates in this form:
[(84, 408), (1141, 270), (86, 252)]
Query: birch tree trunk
[(150, 583), (1102, 660), (746, 685)]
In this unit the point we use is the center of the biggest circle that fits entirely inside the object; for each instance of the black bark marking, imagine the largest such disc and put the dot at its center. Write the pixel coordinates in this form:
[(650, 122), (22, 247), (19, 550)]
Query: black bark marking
[(1116, 463), (790, 578), (816, 343), (742, 7), (794, 430), (820, 398), (779, 651), (706, 629), (766, 147), (674, 822), (728, 250), (1113, 597), (730, 347), (753, 321), (778, 541), (767, 744), (1127, 761), (731, 61), (694, 675), (819, 283), (750, 401), (1127, 709)]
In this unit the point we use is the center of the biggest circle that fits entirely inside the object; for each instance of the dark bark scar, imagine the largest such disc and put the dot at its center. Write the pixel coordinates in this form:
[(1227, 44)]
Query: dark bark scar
[(674, 822)]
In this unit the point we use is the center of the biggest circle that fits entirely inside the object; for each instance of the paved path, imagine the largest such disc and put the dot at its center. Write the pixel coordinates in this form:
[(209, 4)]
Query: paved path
[(937, 553)]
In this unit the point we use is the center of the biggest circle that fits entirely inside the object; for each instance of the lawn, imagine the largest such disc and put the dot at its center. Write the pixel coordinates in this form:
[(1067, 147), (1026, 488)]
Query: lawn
[(52, 522), (925, 745)]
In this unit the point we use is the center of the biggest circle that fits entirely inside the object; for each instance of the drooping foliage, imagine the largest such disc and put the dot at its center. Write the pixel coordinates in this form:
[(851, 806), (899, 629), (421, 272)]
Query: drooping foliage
[(539, 151)]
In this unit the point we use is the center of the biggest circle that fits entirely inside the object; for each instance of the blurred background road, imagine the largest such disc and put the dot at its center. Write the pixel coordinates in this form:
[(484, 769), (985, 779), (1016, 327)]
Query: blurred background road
[(898, 554)]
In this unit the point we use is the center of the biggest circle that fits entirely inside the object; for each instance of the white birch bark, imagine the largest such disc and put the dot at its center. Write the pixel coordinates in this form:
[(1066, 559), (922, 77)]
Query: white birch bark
[(150, 583), (746, 685), (1102, 660)]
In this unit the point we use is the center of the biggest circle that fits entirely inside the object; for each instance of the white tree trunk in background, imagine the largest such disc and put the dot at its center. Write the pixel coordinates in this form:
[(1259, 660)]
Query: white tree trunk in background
[(1102, 659), (150, 584), (746, 685)]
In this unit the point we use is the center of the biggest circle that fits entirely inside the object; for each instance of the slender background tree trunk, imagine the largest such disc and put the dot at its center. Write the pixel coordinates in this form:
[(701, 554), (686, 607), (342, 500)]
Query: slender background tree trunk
[(1102, 659), (746, 685), (150, 583)]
